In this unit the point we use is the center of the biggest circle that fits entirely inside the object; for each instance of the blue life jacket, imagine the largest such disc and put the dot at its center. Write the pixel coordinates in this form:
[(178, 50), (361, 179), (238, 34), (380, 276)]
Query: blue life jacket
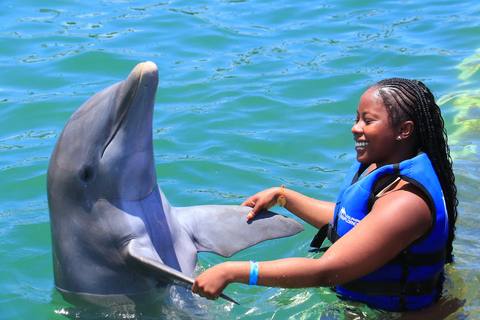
[(412, 279)]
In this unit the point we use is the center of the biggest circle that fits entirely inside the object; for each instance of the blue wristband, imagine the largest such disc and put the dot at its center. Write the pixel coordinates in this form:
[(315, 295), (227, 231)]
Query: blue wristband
[(253, 273)]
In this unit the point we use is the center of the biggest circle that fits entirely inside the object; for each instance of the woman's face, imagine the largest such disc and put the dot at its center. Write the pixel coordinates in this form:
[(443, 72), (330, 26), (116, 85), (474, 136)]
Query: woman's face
[(374, 134)]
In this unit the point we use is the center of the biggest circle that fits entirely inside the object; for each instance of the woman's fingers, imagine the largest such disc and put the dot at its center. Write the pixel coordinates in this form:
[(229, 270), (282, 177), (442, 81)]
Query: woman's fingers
[(211, 282), (262, 200), (251, 214), (251, 202)]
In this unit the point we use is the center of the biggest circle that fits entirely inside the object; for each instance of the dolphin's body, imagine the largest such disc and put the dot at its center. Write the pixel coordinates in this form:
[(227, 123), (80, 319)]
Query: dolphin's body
[(113, 230)]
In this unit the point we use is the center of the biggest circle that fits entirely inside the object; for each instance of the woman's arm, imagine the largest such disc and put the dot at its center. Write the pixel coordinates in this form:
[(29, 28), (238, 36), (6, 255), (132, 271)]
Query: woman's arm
[(313, 211), (396, 220)]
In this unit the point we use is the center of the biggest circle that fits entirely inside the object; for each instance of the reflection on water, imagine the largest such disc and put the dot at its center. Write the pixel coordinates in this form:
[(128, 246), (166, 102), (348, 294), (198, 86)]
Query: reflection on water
[(464, 139)]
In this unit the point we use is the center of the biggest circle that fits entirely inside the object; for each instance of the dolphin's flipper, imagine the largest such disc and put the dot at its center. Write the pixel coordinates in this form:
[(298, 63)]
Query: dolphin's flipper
[(158, 270), (225, 230)]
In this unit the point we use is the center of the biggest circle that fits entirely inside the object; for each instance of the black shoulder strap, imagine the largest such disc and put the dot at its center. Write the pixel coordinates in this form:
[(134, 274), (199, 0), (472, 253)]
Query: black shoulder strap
[(326, 231), (320, 237)]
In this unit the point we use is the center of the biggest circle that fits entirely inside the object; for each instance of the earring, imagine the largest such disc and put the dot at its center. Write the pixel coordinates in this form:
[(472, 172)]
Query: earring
[(399, 137)]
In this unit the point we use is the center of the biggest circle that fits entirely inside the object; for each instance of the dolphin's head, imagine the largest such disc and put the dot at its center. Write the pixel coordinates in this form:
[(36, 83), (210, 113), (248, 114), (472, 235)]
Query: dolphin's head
[(101, 167), (106, 150)]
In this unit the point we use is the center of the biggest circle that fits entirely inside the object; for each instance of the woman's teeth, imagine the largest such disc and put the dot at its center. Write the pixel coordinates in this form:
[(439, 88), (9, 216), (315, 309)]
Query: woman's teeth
[(361, 144)]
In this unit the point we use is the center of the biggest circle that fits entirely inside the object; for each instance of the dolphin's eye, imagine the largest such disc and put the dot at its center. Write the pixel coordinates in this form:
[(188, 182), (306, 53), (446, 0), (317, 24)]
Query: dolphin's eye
[(87, 174)]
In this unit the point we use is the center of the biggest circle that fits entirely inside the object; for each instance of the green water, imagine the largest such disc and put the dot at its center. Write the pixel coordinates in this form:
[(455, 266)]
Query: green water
[(252, 94)]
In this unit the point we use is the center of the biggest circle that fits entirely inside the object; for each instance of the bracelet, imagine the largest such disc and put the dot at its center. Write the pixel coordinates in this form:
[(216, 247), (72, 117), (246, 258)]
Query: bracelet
[(253, 273), (282, 201)]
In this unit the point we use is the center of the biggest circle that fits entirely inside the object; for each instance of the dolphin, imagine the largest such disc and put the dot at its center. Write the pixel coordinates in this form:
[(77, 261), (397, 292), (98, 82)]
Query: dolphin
[(114, 233)]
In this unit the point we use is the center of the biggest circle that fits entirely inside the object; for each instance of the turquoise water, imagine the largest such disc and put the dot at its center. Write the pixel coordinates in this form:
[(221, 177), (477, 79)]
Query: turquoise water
[(252, 94)]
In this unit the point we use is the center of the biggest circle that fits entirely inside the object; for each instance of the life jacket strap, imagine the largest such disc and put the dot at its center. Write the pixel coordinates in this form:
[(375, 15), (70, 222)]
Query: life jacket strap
[(419, 259), (393, 289), (326, 231), (405, 257)]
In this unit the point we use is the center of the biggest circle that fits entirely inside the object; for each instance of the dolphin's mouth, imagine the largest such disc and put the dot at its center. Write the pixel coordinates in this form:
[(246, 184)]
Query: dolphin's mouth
[(141, 75), (121, 120)]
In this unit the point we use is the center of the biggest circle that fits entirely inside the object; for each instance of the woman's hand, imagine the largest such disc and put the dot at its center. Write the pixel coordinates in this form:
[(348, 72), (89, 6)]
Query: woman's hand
[(263, 200), (213, 281), (313, 211)]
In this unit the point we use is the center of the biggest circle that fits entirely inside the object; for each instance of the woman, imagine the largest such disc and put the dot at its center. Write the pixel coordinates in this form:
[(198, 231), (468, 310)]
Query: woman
[(393, 225)]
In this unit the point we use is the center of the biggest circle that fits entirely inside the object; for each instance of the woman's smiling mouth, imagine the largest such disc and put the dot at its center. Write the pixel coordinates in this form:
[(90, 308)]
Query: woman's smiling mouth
[(361, 144)]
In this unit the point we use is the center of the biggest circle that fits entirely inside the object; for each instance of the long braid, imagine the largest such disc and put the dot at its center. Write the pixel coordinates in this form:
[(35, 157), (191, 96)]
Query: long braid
[(410, 99)]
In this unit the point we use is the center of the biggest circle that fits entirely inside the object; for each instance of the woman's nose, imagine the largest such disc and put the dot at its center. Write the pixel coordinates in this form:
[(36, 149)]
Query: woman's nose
[(357, 128)]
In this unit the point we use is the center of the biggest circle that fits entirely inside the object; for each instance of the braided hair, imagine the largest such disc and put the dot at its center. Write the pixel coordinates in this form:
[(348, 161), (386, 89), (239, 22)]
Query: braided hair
[(412, 100)]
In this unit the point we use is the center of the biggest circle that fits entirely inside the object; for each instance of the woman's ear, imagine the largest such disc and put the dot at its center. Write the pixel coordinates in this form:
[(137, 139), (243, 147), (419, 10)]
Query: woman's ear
[(405, 130)]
